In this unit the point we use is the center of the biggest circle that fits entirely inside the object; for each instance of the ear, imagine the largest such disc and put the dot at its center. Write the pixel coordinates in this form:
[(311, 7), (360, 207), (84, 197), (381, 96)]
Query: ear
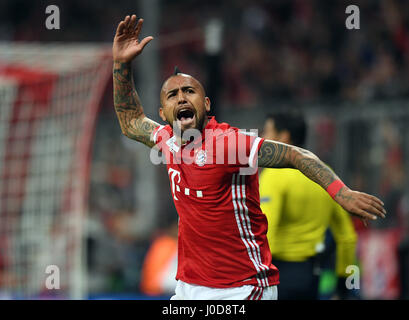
[(161, 114), (207, 104)]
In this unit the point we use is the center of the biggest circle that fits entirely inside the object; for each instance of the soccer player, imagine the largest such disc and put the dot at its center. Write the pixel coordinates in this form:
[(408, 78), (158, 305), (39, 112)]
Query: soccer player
[(299, 212), (223, 251)]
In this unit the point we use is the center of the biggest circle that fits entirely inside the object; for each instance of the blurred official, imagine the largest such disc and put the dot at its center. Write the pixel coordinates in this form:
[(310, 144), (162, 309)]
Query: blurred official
[(299, 212)]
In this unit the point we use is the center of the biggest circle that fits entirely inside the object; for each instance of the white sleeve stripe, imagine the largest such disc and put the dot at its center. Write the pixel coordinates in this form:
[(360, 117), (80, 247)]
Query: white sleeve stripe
[(155, 136), (253, 151)]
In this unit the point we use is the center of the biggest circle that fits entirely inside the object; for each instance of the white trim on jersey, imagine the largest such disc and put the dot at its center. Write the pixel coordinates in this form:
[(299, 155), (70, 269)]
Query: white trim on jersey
[(244, 226), (155, 136), (235, 205), (243, 190), (253, 151)]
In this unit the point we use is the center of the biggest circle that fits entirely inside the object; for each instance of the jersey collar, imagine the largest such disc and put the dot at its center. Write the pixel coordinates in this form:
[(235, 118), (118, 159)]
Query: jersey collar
[(211, 124)]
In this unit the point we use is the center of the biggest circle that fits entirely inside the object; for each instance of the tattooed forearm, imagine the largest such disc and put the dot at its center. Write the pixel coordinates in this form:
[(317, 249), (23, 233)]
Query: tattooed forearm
[(128, 106), (126, 99), (278, 155), (313, 168)]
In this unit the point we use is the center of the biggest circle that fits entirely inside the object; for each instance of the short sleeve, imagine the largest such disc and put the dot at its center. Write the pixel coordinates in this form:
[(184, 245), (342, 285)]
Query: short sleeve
[(155, 133), (161, 152), (241, 148), (160, 135), (255, 147)]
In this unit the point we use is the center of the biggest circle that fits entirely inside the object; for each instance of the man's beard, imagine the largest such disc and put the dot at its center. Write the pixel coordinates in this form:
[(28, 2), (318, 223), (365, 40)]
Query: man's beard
[(191, 133), (199, 125)]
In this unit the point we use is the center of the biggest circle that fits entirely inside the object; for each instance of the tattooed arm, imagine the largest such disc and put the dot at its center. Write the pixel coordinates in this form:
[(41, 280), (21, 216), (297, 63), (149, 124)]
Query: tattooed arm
[(274, 154), (134, 124)]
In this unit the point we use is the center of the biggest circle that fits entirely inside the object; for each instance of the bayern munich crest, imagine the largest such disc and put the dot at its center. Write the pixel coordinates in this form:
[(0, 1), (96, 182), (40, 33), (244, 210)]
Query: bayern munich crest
[(201, 158)]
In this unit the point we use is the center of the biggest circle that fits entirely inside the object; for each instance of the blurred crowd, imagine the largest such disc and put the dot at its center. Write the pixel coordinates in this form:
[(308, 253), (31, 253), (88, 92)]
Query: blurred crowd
[(298, 50), (301, 50)]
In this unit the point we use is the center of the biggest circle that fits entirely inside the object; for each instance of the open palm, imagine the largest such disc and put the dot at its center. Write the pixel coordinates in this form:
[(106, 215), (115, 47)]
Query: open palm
[(126, 44)]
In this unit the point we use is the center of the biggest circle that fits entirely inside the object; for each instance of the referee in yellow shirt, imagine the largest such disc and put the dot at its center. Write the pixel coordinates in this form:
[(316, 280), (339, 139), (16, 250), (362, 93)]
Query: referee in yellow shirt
[(299, 212)]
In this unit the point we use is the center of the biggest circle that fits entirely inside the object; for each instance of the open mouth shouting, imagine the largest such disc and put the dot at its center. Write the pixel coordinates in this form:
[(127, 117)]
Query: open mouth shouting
[(185, 117)]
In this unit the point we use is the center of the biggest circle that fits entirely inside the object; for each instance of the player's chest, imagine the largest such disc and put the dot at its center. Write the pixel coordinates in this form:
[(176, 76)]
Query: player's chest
[(197, 181)]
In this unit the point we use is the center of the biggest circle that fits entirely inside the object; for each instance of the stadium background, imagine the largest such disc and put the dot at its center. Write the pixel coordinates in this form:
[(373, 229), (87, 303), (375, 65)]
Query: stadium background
[(57, 123)]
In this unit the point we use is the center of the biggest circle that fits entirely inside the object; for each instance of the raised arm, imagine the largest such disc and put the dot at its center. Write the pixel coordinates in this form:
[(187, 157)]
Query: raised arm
[(134, 124), (274, 154)]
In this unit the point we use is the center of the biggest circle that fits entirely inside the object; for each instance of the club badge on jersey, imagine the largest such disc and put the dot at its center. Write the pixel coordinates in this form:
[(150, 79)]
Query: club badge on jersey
[(201, 158)]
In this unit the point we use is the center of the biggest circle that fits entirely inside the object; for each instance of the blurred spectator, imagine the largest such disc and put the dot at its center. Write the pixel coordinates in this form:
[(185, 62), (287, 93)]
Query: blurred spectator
[(403, 249), (296, 50), (160, 264)]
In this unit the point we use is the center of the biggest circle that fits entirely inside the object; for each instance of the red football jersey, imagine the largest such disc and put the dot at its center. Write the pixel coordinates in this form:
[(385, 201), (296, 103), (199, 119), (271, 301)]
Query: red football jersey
[(222, 231)]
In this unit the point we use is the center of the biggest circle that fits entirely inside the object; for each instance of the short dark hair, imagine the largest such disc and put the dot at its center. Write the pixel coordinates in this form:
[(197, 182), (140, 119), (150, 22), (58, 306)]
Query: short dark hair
[(293, 122)]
